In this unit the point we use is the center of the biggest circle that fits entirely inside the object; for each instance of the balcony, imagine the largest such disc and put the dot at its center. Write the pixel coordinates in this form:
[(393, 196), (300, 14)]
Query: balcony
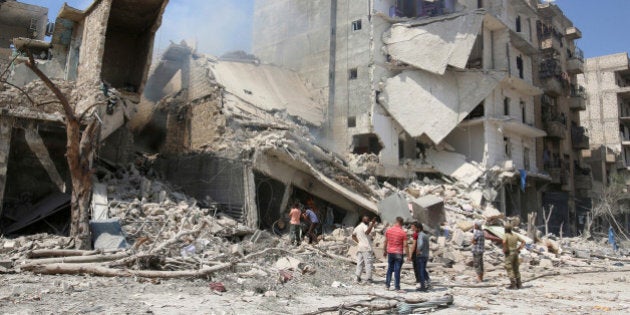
[(577, 99), (572, 33), (575, 64), (551, 77), (583, 182), (579, 138), (555, 129), (558, 175)]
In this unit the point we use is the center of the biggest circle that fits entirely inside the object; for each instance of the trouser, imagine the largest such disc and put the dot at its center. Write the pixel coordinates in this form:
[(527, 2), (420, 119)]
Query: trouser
[(414, 263), (511, 265), (394, 264), (365, 260), (422, 270), (294, 233), (478, 263), (312, 235)]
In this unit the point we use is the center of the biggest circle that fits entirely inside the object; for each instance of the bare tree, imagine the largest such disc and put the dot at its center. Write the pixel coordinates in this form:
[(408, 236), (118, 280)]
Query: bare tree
[(608, 203), (80, 146)]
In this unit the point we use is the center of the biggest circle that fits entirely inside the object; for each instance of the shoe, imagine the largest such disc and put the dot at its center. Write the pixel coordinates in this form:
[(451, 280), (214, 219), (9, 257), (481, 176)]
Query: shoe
[(400, 291), (519, 284), (512, 285), (418, 285), (422, 289), (429, 285), (358, 279)]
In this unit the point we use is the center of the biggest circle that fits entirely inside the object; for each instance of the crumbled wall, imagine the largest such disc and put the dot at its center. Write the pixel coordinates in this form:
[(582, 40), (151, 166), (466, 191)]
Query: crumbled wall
[(207, 123), (93, 44)]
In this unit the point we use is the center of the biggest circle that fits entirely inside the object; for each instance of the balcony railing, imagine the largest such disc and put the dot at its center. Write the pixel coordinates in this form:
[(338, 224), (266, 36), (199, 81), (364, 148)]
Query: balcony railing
[(552, 77), (575, 62), (579, 138), (577, 100)]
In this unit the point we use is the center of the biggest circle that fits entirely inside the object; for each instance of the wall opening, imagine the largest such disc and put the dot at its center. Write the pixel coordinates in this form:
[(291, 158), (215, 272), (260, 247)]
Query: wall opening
[(128, 42), (366, 143), (353, 73), (519, 66), (269, 194), (32, 202), (518, 24), (506, 106), (356, 25), (478, 112), (352, 121)]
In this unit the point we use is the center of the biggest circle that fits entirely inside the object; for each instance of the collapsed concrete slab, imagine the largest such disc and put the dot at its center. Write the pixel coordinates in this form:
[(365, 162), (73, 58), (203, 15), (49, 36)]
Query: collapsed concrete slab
[(443, 101), (455, 165), (450, 38), (429, 210), (394, 206)]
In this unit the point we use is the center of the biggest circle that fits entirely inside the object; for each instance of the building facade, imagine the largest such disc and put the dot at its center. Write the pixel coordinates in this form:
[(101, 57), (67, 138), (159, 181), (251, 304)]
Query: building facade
[(406, 79), (19, 20), (559, 153), (606, 80)]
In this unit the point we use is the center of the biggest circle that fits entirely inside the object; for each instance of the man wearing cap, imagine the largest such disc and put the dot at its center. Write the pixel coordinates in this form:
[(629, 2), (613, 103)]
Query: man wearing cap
[(511, 248), (478, 243)]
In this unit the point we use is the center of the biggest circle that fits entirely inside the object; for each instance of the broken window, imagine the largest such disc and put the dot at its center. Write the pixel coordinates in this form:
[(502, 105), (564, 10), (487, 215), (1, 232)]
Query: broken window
[(356, 25), (523, 112), (479, 4), (479, 111), (518, 24), (353, 73), (506, 106), (401, 149), (352, 121), (508, 147), (519, 66), (526, 164), (366, 143)]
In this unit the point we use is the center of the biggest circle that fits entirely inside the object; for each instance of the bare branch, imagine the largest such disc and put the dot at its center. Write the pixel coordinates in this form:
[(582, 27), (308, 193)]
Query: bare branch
[(62, 98), (21, 90)]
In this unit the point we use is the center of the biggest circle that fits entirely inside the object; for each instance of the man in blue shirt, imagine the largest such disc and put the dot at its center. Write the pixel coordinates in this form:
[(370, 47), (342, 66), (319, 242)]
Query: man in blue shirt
[(313, 223)]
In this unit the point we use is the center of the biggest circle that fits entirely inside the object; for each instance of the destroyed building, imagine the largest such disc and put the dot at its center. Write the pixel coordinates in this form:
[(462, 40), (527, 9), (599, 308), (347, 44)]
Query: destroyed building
[(448, 87), (606, 80), (20, 20), (94, 66), (238, 133), (559, 153)]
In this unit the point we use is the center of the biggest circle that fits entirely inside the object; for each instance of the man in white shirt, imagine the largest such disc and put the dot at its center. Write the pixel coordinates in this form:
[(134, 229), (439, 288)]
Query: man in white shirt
[(365, 254)]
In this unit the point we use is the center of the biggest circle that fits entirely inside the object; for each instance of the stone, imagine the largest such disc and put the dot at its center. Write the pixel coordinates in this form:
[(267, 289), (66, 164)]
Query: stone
[(288, 263), (237, 249), (491, 213), (458, 237), (546, 263), (271, 294), (465, 225)]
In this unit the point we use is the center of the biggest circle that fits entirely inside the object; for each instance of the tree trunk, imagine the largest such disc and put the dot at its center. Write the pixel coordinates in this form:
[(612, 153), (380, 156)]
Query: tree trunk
[(79, 152)]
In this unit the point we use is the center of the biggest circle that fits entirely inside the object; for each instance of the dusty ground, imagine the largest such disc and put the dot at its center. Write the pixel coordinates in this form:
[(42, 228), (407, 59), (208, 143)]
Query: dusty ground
[(607, 292)]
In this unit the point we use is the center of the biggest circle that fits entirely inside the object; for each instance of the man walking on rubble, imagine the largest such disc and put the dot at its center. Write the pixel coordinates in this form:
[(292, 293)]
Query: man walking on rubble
[(294, 224), (478, 247), (420, 246), (365, 254), (511, 250), (395, 246), (313, 223)]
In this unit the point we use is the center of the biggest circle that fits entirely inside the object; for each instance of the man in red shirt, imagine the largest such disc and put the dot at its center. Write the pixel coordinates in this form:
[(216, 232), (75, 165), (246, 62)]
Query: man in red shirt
[(395, 246), (294, 224)]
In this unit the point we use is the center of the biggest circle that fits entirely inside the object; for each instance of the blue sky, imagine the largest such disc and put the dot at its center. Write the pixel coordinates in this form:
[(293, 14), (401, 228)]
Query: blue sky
[(219, 26)]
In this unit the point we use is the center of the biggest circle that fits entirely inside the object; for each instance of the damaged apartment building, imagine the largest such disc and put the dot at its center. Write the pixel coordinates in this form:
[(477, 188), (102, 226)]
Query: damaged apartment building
[(606, 80), (444, 86), (99, 58)]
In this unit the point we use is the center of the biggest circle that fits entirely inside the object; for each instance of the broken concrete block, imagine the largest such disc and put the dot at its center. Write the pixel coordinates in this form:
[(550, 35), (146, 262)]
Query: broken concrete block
[(465, 225), (441, 241), (492, 213), (288, 263), (237, 249), (6, 263), (393, 206), (9, 245), (476, 197), (108, 234), (584, 254), (429, 210), (458, 237)]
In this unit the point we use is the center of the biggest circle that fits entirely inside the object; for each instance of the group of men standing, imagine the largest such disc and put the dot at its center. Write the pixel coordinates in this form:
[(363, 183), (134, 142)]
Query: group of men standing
[(396, 246)]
